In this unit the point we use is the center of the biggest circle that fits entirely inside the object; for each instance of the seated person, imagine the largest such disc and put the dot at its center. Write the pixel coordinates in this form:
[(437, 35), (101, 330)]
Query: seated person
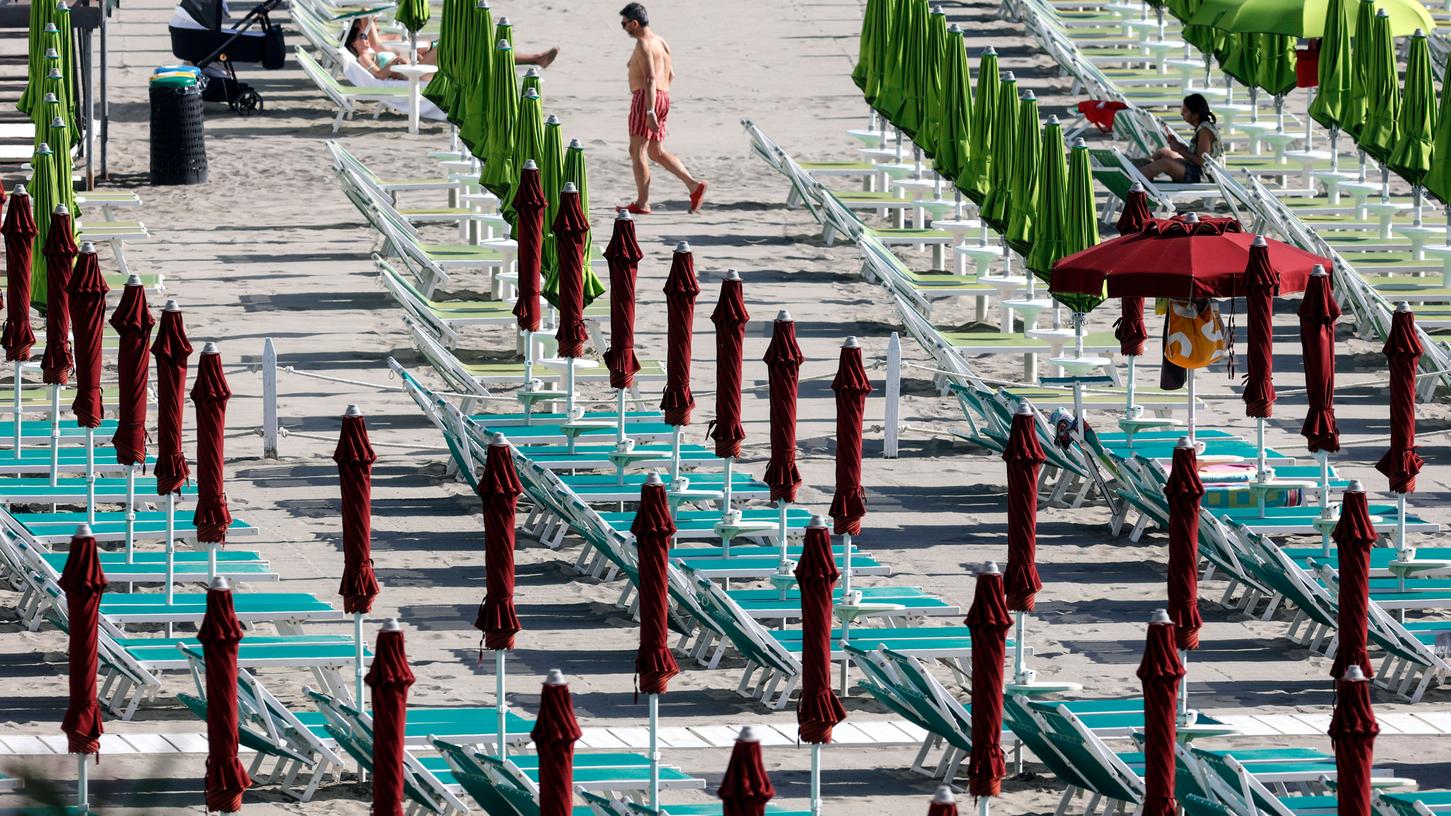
[(378, 52), (1184, 163)]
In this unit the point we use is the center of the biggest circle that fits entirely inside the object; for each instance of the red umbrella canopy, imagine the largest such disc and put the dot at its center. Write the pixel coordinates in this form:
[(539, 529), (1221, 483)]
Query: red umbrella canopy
[(943, 804), (172, 350), (623, 255), (1403, 352), (390, 678), (555, 733), (988, 621), (529, 203), (499, 488), (1263, 284), (1024, 457), (849, 503), (84, 582), (571, 230), (653, 529), (20, 230), (60, 254), (220, 633), (88, 317), (354, 456), (132, 320), (1353, 730), (210, 394), (1160, 672), (745, 788), (818, 710), (730, 320), (783, 368), (1184, 258), (1184, 491), (681, 289), (1354, 535), (1318, 313)]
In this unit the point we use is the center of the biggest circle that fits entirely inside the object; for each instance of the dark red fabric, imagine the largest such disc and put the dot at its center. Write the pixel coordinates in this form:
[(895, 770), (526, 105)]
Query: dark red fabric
[(1318, 313), (88, 323), (529, 204), (1172, 258), (818, 710), (1024, 456), (1307, 65), (390, 678), (499, 488), (653, 528), (1353, 730), (745, 788), (1100, 114), (623, 255), (1136, 213), (942, 809), (19, 228), (1160, 672), (730, 320), (849, 503), (571, 231), (783, 368), (220, 633), (1129, 330), (84, 582), (1403, 352), (1184, 491), (132, 320), (210, 394), (988, 621), (555, 733), (1263, 286), (354, 456), (172, 350), (1354, 535), (60, 254), (681, 289)]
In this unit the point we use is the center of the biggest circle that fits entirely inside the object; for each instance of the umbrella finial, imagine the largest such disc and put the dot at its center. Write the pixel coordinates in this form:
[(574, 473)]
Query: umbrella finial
[(817, 521), (1024, 408), (555, 677), (391, 625), (576, 144), (1136, 187), (83, 530), (171, 305), (551, 119), (1403, 307), (133, 279), (1355, 486), (954, 29), (532, 72), (43, 150), (1053, 120), (1353, 674), (352, 410), (732, 275), (57, 122), (19, 190), (51, 53), (1259, 241), (1381, 12), (990, 568), (569, 187), (683, 246), (482, 5), (994, 52), (88, 248), (503, 44), (1029, 96), (530, 93), (498, 440), (530, 165), (210, 348), (1191, 218), (60, 210), (1318, 271), (1185, 443), (1418, 33), (1009, 77), (504, 21), (1082, 144), (851, 342), (50, 97), (783, 316), (50, 29), (654, 478), (624, 215), (943, 796), (1160, 616), (748, 734), (220, 584)]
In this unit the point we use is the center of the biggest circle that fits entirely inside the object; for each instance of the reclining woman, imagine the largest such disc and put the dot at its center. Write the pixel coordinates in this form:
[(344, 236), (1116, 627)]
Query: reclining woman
[(378, 53), (1184, 163)]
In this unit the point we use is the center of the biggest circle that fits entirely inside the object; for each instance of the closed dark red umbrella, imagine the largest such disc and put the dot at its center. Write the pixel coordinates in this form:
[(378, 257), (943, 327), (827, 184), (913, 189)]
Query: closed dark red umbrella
[(60, 254), (132, 320), (783, 369), (745, 788), (653, 529), (1160, 672), (84, 582), (529, 203), (88, 318), (571, 230), (172, 350), (988, 621), (943, 804), (555, 733), (355, 456), (730, 320), (220, 634), (1263, 284), (818, 710), (1403, 352), (681, 289), (849, 504), (623, 255), (1318, 313), (19, 228), (1354, 535), (1024, 457), (1353, 730), (1136, 212), (1184, 491), (499, 489), (210, 394), (1129, 330), (390, 678)]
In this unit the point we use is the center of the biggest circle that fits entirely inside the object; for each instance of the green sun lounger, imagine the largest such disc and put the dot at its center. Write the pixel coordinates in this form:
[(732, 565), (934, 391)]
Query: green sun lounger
[(110, 526), (36, 461), (552, 433), (700, 524), (70, 490), (190, 607)]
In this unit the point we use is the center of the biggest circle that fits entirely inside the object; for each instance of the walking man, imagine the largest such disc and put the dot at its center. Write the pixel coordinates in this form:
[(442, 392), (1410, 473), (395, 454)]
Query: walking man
[(650, 75)]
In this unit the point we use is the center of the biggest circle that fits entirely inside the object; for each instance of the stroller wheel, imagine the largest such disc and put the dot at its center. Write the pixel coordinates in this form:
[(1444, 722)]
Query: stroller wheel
[(247, 102)]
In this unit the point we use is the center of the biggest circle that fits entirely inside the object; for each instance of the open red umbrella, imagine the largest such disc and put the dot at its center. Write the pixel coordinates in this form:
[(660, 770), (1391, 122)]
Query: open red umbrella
[(1354, 535), (988, 622), (623, 255), (555, 733), (499, 489), (1263, 285), (730, 320), (943, 804), (1318, 313), (745, 788), (1353, 730), (19, 229), (390, 678), (1403, 352), (1024, 456), (354, 456), (132, 320), (210, 394), (60, 253), (783, 368), (220, 633), (88, 317), (653, 529), (529, 203), (84, 582), (172, 350), (681, 289), (848, 503), (1184, 491), (1160, 672), (571, 228), (818, 709)]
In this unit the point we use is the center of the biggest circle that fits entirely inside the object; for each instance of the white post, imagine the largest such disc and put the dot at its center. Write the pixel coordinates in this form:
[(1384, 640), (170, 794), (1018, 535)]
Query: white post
[(501, 703), (892, 418), (358, 671), (269, 399), (846, 597), (54, 435), (83, 783), (783, 506), (171, 546), (20, 378), (568, 385), (1324, 499), (815, 779), (1184, 688), (654, 702), (1192, 399), (620, 402), (211, 559), (675, 454), (1416, 192), (90, 475), (130, 511), (1019, 664), (1129, 392), (528, 361)]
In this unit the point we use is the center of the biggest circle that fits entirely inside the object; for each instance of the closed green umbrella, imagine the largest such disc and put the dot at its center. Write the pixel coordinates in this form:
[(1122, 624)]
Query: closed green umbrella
[(872, 49), (1306, 19), (996, 205), (1081, 222), (1240, 61), (43, 197), (1335, 70), (1049, 224), (954, 130), (472, 118), (450, 34), (934, 66), (1275, 73), (1438, 178), (893, 90), (65, 46), (42, 18), (533, 82), (551, 179), (1383, 96), (60, 134), (1027, 164), (913, 68), (1354, 107), (528, 144), (503, 112), (576, 173), (413, 16), (1411, 157), (1205, 38), (977, 179)]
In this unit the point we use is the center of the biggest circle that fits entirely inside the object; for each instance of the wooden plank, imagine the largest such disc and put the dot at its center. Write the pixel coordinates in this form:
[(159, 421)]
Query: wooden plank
[(27, 745), (1247, 725), (1406, 722), (187, 743), (149, 743), (114, 744), (634, 737), (601, 739), (717, 736), (678, 737)]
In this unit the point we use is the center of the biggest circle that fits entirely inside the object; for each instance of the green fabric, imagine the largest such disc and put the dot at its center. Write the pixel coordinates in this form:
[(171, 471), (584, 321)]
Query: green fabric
[(934, 68), (499, 173), (1081, 217), (468, 115), (532, 80), (64, 45), (893, 88), (1241, 58), (1027, 163), (1205, 38), (1438, 178), (912, 112), (528, 145), (1050, 205), (1335, 66), (43, 198), (412, 14), (955, 126), (42, 16), (871, 50), (441, 85), (1383, 95), (1304, 19), (551, 178), (1412, 155), (997, 204), (1275, 71), (575, 171), (976, 180), (1354, 108)]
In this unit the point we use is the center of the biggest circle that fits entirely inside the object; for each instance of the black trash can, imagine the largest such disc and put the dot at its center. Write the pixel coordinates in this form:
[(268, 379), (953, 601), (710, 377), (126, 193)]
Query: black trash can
[(178, 132)]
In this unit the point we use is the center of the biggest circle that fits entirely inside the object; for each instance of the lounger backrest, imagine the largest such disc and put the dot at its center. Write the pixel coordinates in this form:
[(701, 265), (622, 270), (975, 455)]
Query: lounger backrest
[(455, 375), (751, 639), (324, 81)]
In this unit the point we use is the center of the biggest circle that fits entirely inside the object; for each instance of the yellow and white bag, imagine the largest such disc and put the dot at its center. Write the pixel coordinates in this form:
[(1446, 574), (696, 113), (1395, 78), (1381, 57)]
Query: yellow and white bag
[(1196, 334)]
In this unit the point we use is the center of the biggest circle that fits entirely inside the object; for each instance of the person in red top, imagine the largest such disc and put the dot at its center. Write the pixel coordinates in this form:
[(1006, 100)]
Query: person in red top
[(651, 72)]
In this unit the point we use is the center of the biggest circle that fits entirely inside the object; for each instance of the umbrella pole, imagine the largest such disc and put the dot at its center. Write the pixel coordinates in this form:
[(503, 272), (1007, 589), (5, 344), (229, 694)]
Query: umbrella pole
[(528, 364), (20, 415), (1184, 688), (54, 435), (1334, 153), (171, 553), (1385, 182), (1403, 553), (413, 47), (620, 403), (1280, 115), (982, 805), (1019, 667), (1254, 109), (91, 476), (725, 506), (1129, 394), (1362, 167), (1190, 388), (358, 662), (815, 779), (130, 511), (654, 700), (782, 506), (1260, 473), (569, 397), (500, 703), (846, 598), (1417, 197), (675, 454), (83, 783), (1324, 499), (1309, 121)]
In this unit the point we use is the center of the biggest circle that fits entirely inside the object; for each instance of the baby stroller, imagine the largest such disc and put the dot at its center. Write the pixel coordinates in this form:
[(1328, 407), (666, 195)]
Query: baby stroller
[(220, 43)]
